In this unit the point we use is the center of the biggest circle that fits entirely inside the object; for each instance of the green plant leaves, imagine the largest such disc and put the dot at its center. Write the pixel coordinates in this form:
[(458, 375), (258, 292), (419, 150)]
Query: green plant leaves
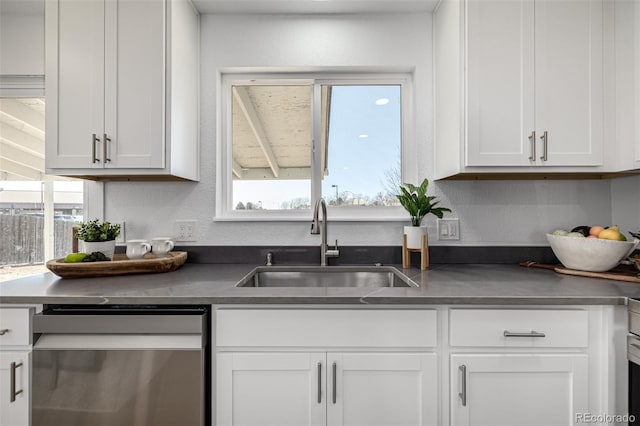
[(94, 231), (416, 202)]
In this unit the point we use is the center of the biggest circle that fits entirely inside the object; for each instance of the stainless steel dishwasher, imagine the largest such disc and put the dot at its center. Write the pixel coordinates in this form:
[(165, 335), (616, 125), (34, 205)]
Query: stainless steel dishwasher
[(121, 365)]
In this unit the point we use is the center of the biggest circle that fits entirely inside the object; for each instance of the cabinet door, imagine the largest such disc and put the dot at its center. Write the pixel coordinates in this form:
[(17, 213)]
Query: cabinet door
[(518, 390), (500, 75), (636, 80), (270, 389), (17, 412), (569, 81), (135, 53), (75, 83), (370, 389)]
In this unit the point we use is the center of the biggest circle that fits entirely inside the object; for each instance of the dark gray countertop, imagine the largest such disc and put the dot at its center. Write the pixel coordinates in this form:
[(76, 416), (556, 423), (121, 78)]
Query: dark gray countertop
[(214, 284)]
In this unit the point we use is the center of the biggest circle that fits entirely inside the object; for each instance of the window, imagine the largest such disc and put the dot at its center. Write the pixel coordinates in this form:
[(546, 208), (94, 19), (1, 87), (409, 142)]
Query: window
[(37, 211), (290, 139)]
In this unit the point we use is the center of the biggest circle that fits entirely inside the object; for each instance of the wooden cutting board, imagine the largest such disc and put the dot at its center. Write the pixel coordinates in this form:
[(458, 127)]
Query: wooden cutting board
[(630, 276), (120, 265), (620, 273)]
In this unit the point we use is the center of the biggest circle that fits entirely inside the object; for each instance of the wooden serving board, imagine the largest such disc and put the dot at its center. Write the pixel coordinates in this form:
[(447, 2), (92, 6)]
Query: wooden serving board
[(120, 265), (630, 276), (619, 273)]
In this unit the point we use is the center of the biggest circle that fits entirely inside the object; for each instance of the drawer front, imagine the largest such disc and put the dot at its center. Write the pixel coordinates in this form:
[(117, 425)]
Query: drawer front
[(519, 328), (15, 327), (326, 328)]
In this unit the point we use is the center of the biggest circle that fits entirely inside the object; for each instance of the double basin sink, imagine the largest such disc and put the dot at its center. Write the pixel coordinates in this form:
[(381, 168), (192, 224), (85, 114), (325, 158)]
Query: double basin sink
[(326, 276)]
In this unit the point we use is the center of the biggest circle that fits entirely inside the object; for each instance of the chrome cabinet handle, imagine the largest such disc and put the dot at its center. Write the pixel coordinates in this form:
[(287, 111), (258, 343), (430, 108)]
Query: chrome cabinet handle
[(4, 331), (532, 333), (104, 148), (13, 393), (532, 146), (463, 391), (319, 383), (545, 145), (94, 142), (335, 387)]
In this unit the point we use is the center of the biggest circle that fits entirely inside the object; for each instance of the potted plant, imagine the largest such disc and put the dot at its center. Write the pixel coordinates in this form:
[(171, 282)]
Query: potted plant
[(98, 236), (418, 204)]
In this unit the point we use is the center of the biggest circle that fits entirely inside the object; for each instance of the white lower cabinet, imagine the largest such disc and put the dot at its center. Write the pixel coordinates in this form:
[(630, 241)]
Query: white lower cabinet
[(15, 366), (14, 388), (446, 365), (518, 389), (382, 389), (318, 388)]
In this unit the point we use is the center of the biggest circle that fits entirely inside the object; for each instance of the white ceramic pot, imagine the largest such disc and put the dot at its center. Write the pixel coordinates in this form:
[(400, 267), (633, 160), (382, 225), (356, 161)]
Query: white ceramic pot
[(414, 236), (106, 247)]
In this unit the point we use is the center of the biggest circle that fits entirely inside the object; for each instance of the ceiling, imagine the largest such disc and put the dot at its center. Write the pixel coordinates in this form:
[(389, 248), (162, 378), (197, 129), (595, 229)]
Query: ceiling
[(314, 6), (22, 139)]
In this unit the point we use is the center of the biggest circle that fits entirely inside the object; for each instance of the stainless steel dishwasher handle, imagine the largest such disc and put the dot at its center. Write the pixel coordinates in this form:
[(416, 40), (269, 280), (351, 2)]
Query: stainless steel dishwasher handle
[(532, 333)]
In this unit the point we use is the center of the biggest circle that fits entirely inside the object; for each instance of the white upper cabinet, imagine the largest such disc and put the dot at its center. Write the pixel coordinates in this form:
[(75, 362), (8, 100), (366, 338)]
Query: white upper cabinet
[(518, 83), (627, 95), (119, 103)]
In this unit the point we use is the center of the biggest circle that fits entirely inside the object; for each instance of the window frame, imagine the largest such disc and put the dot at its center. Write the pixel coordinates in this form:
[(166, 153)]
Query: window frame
[(33, 86), (224, 193)]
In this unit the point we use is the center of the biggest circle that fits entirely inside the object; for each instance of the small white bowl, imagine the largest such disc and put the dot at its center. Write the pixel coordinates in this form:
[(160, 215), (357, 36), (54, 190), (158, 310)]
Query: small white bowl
[(590, 254)]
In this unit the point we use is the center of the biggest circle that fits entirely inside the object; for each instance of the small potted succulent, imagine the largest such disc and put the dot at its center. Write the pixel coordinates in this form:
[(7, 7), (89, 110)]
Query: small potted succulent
[(98, 236), (418, 204)]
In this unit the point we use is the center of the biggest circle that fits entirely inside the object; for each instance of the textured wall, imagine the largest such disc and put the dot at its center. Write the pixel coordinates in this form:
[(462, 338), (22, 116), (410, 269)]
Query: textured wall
[(22, 38), (501, 212)]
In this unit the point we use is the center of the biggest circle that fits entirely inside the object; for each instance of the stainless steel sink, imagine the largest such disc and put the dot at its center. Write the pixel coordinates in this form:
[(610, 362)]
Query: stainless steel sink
[(325, 276)]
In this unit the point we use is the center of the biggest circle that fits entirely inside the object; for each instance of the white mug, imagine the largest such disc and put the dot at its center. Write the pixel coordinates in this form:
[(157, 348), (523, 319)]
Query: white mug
[(160, 246), (137, 248)]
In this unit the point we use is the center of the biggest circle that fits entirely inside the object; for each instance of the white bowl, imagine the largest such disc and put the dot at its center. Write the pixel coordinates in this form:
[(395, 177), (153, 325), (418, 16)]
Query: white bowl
[(590, 254)]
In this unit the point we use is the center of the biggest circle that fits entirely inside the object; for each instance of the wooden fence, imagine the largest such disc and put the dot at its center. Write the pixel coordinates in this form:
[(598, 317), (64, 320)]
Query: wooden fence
[(22, 240)]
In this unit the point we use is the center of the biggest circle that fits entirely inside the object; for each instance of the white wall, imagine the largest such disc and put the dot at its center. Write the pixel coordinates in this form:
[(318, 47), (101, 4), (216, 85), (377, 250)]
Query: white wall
[(625, 195), (22, 37), (499, 212)]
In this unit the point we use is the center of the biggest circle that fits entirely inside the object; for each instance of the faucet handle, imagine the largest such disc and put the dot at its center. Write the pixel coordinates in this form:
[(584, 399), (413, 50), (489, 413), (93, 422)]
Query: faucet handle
[(333, 253), (269, 261)]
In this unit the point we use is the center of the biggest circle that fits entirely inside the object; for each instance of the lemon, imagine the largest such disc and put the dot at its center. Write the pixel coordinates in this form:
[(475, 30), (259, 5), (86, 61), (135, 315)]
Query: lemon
[(75, 257), (609, 234)]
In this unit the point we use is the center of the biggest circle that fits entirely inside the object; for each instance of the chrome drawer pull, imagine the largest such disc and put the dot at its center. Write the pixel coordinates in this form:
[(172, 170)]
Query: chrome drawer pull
[(463, 393), (13, 393), (319, 383), (530, 334), (94, 141), (545, 141), (107, 141), (532, 143), (335, 387), (4, 331)]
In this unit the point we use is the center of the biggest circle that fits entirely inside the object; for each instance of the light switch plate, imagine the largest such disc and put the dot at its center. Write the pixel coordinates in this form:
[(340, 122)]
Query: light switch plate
[(448, 229)]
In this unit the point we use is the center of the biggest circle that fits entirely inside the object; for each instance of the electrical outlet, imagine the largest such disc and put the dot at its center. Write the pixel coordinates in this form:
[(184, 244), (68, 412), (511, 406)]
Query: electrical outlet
[(448, 229), (185, 230)]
